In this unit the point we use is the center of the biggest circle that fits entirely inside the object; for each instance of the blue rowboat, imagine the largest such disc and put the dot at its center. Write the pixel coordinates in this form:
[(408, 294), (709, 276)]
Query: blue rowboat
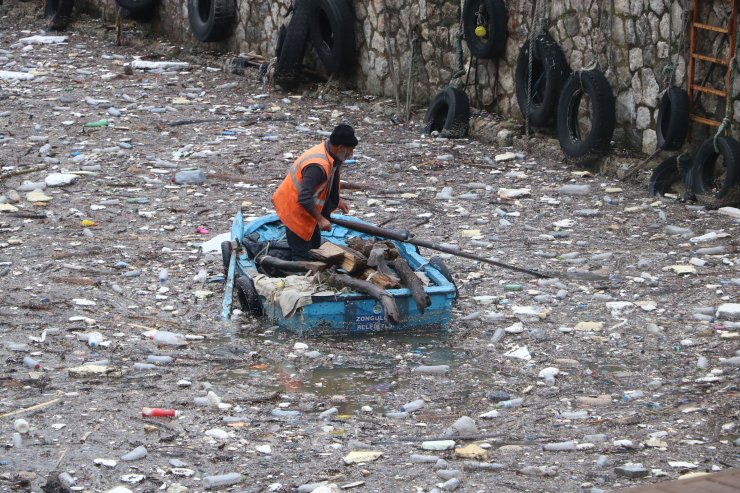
[(335, 312)]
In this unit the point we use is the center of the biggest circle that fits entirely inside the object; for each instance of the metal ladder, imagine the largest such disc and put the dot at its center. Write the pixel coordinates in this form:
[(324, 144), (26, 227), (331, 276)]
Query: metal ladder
[(694, 88)]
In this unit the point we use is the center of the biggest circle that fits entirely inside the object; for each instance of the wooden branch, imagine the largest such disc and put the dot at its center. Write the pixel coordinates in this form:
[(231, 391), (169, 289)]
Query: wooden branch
[(365, 246), (389, 304), (23, 171), (31, 408), (380, 279), (291, 265), (412, 281), (377, 259), (352, 261)]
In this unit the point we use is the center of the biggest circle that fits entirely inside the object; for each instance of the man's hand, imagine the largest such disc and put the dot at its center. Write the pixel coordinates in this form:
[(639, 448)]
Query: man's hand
[(324, 224), (343, 206)]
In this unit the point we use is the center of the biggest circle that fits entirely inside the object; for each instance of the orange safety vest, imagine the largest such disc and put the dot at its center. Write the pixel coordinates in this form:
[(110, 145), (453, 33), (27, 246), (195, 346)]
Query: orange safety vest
[(285, 198)]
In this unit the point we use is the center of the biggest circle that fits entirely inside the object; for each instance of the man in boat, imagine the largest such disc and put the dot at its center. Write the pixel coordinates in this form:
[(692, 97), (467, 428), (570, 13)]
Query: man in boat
[(310, 192)]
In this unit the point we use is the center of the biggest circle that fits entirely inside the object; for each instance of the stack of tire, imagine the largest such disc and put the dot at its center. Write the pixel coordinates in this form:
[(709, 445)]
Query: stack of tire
[(485, 29), (712, 176), (330, 27), (551, 96)]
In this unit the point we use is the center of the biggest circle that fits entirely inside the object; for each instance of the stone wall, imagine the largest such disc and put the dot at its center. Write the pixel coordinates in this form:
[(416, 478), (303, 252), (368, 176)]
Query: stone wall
[(633, 42)]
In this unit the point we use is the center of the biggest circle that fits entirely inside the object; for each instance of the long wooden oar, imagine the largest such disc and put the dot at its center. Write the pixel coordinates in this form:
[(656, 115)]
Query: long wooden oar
[(407, 237)]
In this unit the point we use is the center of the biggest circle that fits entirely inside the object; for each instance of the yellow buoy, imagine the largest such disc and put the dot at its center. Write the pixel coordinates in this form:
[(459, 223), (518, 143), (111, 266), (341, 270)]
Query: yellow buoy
[(481, 31)]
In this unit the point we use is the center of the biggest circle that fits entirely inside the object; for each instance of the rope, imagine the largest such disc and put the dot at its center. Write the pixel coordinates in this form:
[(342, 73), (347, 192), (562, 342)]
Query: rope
[(409, 82), (459, 63), (669, 68), (732, 67), (532, 36)]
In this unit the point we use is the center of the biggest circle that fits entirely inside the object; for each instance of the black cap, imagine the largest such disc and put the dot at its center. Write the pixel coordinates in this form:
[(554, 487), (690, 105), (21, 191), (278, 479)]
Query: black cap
[(343, 135)]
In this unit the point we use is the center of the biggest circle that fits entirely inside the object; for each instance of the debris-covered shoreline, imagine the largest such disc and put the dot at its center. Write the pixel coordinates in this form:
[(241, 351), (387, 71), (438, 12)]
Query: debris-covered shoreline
[(559, 384)]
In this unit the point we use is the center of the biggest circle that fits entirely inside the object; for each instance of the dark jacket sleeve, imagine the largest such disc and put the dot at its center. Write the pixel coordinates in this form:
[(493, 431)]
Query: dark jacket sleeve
[(313, 176)]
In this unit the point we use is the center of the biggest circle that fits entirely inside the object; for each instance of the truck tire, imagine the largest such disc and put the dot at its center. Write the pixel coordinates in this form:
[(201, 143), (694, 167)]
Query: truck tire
[(293, 44), (597, 141), (706, 177), (249, 300), (332, 33), (448, 114), (211, 20), (673, 119), (549, 73), (492, 16)]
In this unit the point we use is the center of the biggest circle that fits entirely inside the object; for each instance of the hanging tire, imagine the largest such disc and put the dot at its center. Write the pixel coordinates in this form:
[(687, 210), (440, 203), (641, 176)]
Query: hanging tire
[(448, 114), (673, 119), (293, 44), (211, 20), (549, 73), (139, 9), (669, 176), (492, 16), (706, 177), (59, 13), (249, 300), (572, 141), (332, 32), (226, 249)]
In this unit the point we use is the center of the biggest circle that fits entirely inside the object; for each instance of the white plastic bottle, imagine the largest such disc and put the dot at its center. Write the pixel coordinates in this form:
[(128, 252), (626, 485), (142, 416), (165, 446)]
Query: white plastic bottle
[(94, 339), (412, 406), (31, 363), (160, 359), (512, 402), (210, 482), (168, 338)]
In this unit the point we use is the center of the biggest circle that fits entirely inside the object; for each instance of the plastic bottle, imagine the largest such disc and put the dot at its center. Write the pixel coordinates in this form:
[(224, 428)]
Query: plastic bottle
[(159, 412), (163, 277), (512, 403), (326, 415), (574, 415), (94, 339), (99, 123), (412, 406), (168, 338), (573, 189), (432, 370), (280, 413), (17, 440), (22, 426), (498, 335), (559, 446), (398, 415), (631, 395), (189, 177), (221, 480), (138, 453), (31, 363), (66, 480), (162, 360)]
